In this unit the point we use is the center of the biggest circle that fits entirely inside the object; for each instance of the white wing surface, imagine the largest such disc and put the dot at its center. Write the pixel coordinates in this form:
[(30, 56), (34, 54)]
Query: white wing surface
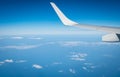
[(114, 31)]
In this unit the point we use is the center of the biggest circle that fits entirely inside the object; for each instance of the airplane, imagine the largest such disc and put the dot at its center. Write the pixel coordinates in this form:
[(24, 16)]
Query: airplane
[(114, 32)]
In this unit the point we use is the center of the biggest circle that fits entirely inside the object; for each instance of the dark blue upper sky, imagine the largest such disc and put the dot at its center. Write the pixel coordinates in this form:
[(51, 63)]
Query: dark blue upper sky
[(38, 13)]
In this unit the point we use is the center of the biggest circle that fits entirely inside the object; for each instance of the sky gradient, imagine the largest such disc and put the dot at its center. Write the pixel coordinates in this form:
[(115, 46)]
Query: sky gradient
[(38, 17)]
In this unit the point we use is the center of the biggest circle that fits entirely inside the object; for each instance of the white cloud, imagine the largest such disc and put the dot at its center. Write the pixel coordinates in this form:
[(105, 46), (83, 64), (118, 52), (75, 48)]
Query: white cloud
[(89, 67), (37, 66), (9, 61), (78, 56), (78, 59), (71, 43), (82, 54), (72, 71), (17, 37), (6, 61), (21, 47), (36, 38)]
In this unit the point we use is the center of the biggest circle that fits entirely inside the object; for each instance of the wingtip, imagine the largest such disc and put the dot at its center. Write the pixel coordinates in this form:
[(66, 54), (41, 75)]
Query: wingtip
[(61, 15), (51, 2)]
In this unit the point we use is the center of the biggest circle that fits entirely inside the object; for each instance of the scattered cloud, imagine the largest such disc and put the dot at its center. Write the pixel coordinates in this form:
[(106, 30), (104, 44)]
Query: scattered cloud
[(8, 61), (72, 71), (89, 67), (20, 47), (11, 61), (78, 56), (37, 66), (17, 37)]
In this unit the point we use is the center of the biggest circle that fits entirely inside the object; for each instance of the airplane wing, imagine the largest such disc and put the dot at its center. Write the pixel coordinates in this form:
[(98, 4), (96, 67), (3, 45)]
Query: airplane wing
[(114, 31)]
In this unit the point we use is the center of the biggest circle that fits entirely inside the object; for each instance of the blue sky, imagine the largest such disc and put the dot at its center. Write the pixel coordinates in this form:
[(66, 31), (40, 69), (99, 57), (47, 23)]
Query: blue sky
[(38, 17)]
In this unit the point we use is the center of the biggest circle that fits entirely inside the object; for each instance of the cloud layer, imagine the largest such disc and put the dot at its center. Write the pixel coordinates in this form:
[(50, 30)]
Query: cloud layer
[(17, 37), (65, 44), (20, 47), (80, 43)]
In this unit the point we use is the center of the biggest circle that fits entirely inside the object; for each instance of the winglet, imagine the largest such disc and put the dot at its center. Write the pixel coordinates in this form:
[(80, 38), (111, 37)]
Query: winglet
[(62, 17)]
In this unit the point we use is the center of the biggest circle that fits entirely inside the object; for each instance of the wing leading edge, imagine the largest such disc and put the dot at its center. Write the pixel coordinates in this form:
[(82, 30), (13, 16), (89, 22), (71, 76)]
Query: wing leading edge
[(114, 31)]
